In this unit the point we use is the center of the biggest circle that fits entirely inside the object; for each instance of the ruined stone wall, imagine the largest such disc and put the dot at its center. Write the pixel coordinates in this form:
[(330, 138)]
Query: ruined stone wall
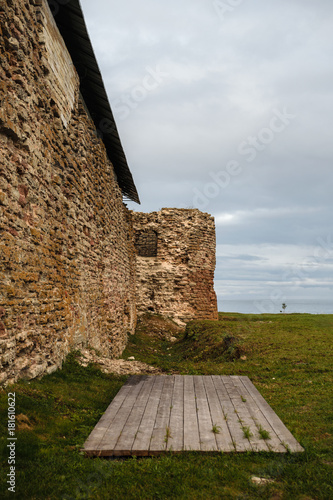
[(67, 269), (175, 264)]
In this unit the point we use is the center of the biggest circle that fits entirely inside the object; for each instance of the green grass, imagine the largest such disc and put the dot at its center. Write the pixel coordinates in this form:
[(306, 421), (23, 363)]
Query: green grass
[(289, 359), (216, 429), (263, 433), (167, 434), (247, 432)]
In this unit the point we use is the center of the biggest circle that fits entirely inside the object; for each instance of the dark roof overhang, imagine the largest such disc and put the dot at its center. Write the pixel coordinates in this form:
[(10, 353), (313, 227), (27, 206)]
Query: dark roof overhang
[(70, 21)]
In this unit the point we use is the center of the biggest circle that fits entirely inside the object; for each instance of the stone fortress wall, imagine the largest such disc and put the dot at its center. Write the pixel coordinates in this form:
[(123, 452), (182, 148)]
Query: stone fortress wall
[(175, 264), (66, 248), (70, 275)]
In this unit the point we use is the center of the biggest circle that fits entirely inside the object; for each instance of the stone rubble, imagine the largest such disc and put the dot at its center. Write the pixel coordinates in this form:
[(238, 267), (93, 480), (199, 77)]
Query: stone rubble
[(261, 480), (116, 366)]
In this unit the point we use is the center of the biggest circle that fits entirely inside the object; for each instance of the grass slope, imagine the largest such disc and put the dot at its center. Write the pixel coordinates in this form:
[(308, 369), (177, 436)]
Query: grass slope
[(289, 359)]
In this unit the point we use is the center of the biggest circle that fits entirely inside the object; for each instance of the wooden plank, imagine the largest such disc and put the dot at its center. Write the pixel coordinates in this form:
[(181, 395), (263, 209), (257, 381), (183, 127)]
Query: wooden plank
[(118, 424), (191, 428), (223, 438), (206, 434), (240, 443), (124, 444), (161, 429), (244, 416), (141, 443), (281, 430), (274, 443), (152, 414), (176, 425), (91, 446)]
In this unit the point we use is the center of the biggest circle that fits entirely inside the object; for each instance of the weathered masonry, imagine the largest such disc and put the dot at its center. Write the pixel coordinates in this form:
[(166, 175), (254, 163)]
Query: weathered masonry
[(70, 275), (175, 264), (67, 261)]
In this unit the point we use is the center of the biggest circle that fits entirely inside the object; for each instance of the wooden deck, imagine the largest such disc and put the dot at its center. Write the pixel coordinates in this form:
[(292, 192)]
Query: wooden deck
[(153, 414)]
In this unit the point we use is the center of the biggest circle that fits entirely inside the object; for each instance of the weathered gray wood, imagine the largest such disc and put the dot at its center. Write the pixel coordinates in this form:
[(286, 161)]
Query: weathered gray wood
[(273, 443), (238, 440), (206, 434), (118, 424), (191, 428), (176, 425), (97, 434), (145, 430), (152, 414), (281, 430), (161, 429), (244, 416), (223, 437), (124, 444)]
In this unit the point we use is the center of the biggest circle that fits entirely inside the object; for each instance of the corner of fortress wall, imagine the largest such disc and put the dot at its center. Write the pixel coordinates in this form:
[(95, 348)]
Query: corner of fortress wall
[(175, 264)]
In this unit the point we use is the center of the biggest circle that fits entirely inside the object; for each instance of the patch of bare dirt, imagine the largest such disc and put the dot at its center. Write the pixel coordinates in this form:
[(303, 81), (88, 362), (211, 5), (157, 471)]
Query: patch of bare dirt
[(159, 327), (23, 423)]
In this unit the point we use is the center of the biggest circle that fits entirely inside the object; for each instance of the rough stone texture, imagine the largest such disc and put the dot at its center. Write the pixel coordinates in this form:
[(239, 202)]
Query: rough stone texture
[(176, 279), (67, 267)]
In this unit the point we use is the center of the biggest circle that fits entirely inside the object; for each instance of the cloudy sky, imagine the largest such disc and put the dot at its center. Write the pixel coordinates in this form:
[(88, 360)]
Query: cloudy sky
[(227, 106)]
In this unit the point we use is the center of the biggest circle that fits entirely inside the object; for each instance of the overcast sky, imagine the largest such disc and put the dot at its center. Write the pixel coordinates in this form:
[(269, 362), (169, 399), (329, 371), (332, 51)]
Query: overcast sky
[(227, 106)]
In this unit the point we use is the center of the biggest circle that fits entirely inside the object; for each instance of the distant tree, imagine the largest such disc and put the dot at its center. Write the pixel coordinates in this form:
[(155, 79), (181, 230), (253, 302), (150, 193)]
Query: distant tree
[(284, 306)]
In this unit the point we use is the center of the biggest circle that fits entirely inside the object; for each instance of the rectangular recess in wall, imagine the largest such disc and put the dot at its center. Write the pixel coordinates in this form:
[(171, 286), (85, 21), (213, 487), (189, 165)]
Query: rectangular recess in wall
[(146, 243)]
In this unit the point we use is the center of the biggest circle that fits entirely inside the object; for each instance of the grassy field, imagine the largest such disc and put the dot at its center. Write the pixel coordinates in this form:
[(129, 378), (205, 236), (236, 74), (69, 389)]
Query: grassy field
[(289, 359)]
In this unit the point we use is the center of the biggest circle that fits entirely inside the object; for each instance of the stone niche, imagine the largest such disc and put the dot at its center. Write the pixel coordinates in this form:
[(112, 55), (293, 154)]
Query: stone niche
[(175, 263)]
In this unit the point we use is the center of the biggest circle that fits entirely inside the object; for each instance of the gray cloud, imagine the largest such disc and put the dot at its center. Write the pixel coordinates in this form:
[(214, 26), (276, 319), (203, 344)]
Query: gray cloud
[(225, 77)]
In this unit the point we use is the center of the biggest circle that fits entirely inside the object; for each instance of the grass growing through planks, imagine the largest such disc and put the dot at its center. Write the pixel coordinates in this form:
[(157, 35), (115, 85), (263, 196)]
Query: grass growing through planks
[(167, 434), (247, 432), (263, 433), (216, 429), (289, 359)]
